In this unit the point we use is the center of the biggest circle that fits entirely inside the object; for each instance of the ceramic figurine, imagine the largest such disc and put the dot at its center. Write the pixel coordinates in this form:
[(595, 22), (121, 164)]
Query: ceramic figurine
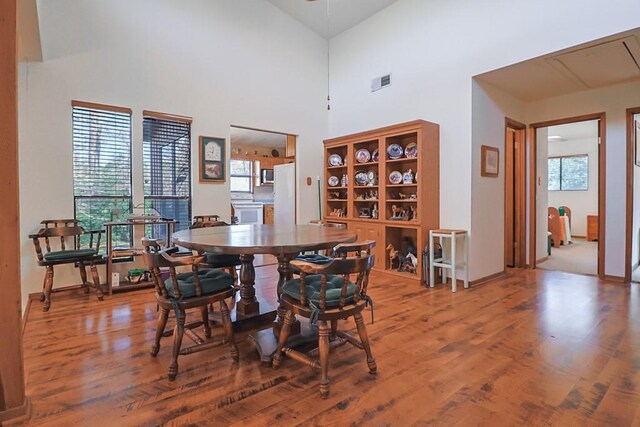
[(407, 177)]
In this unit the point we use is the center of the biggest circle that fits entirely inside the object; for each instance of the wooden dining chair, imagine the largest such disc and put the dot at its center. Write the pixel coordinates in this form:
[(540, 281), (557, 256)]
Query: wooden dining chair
[(63, 242), (228, 262), (326, 293), (181, 292)]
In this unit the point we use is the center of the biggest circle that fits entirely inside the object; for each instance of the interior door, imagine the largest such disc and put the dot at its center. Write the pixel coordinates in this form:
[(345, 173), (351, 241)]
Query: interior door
[(509, 213), (284, 194), (515, 195)]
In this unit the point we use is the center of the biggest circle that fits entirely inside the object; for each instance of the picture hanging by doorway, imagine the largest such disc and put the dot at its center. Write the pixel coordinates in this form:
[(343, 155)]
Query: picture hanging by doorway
[(490, 161)]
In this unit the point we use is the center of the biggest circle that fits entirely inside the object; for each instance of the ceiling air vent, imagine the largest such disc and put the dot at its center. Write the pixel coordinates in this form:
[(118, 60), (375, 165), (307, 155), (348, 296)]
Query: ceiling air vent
[(380, 82)]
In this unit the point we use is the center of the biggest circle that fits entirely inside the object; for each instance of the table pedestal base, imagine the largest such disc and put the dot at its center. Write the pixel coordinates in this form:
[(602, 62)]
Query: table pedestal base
[(266, 343)]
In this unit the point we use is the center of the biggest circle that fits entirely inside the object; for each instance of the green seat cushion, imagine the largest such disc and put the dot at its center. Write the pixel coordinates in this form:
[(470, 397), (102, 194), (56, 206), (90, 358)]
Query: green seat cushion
[(70, 254), (221, 260), (312, 286), (314, 258), (211, 282)]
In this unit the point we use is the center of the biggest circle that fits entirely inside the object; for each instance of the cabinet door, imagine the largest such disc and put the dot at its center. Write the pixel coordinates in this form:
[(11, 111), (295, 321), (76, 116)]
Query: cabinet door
[(366, 231), (268, 214)]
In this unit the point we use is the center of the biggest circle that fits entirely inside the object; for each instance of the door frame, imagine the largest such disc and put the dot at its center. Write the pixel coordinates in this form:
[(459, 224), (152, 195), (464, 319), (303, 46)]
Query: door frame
[(533, 187), (628, 264), (520, 189)]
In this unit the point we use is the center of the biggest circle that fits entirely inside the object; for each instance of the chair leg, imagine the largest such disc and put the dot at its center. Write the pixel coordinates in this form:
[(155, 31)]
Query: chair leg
[(334, 329), (205, 321), (162, 323), (177, 342), (44, 285), (364, 338), (282, 339), (323, 344), (96, 282), (48, 286), (228, 329), (83, 277)]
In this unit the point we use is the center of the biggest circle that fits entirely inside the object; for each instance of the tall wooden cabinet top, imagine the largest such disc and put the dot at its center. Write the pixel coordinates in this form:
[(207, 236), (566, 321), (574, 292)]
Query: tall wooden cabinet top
[(393, 170)]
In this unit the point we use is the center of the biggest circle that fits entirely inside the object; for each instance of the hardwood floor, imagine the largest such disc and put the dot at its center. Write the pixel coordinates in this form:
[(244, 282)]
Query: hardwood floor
[(535, 348)]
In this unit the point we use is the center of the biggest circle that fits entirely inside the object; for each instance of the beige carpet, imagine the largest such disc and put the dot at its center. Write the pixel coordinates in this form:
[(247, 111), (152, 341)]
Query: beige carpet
[(579, 257)]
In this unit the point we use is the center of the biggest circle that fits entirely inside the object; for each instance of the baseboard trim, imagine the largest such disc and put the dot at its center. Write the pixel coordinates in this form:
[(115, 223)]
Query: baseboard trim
[(543, 259), (19, 413), (488, 278), (619, 279), (25, 315)]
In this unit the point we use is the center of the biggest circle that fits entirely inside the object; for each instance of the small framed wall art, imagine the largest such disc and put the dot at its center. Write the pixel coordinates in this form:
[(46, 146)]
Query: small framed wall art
[(212, 159), (490, 161)]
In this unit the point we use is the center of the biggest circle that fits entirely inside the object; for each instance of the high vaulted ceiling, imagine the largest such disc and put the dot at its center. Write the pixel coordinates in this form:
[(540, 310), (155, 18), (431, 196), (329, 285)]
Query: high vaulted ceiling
[(331, 17), (599, 63)]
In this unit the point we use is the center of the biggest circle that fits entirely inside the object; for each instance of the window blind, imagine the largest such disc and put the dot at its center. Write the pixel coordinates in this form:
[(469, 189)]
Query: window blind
[(167, 170), (102, 167)]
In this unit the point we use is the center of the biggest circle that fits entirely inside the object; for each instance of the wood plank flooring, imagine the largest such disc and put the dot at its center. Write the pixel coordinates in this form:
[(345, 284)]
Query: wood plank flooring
[(535, 348)]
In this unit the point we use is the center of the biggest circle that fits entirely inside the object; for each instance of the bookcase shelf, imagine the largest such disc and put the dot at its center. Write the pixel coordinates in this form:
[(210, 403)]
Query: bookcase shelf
[(403, 213)]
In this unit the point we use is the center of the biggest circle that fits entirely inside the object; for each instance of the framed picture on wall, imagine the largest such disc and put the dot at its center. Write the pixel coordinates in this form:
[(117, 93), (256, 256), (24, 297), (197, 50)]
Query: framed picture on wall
[(490, 161), (212, 159), (637, 142)]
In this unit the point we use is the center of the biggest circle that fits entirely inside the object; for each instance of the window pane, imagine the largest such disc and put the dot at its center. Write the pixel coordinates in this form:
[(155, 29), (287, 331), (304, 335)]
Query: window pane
[(242, 184), (240, 167), (167, 172), (554, 174), (101, 152), (92, 212), (575, 173)]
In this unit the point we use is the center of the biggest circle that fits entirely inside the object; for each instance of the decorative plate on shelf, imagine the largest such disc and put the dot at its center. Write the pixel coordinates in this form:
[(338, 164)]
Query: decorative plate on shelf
[(395, 177), (333, 181), (374, 156), (411, 150), (335, 160), (363, 155), (362, 178), (395, 151)]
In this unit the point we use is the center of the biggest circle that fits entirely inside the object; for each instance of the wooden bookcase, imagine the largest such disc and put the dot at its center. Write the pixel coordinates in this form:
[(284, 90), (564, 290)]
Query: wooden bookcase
[(422, 196)]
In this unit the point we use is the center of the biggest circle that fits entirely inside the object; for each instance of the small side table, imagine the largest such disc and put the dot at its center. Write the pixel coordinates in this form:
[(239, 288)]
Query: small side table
[(450, 262)]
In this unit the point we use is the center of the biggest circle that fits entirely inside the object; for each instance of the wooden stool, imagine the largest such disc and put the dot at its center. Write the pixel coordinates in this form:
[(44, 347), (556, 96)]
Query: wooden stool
[(450, 263)]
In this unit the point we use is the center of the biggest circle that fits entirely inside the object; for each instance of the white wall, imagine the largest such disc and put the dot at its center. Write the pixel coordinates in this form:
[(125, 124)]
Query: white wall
[(221, 62), (490, 107), (613, 101), (433, 49), (581, 203), (542, 195)]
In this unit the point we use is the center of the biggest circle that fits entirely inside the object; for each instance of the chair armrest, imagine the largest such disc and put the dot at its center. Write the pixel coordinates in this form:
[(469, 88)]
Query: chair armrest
[(182, 260), (308, 267)]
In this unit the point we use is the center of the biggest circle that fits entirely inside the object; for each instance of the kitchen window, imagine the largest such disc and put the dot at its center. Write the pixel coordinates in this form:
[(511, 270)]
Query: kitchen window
[(241, 176)]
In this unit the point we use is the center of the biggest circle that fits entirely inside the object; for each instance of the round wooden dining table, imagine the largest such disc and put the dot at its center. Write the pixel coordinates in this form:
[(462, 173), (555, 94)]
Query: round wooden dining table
[(283, 241)]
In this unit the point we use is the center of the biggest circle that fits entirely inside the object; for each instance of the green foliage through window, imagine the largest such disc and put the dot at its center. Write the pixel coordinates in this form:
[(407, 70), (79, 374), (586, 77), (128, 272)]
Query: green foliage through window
[(568, 173)]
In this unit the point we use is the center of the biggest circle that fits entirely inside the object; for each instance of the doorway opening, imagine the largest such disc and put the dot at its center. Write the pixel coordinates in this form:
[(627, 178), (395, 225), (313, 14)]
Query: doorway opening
[(262, 176), (515, 191), (568, 195)]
